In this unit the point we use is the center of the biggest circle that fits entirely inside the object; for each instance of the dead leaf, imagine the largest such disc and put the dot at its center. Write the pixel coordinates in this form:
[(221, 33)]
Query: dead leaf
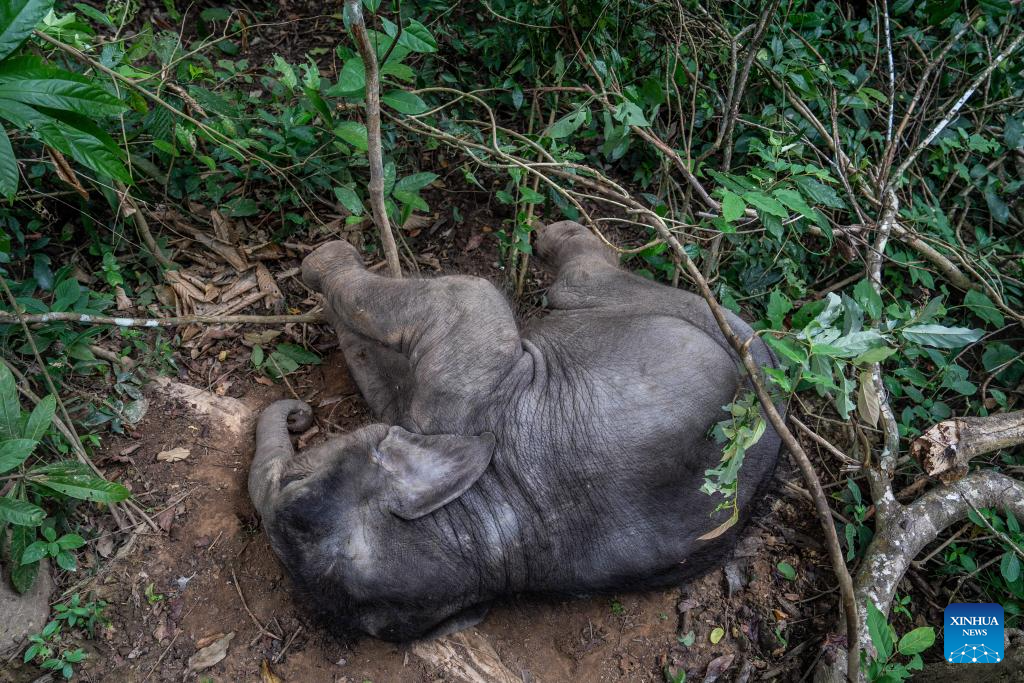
[(105, 546), (240, 287), (475, 240), (717, 667), (123, 302), (165, 520), (128, 450), (173, 455), (268, 676), (223, 228), (722, 528), (259, 338), (211, 654), (267, 285), (868, 403), (66, 173)]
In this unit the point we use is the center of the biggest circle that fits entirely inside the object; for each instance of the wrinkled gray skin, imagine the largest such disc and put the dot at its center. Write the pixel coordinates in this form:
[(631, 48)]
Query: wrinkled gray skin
[(566, 457)]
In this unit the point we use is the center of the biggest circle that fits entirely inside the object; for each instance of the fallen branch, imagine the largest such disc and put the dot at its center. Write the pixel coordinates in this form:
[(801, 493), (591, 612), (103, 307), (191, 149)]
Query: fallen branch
[(912, 529), (7, 318), (945, 450), (375, 188)]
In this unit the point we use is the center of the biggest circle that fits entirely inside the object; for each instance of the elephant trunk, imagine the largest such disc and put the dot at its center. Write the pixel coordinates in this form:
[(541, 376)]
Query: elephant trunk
[(274, 450)]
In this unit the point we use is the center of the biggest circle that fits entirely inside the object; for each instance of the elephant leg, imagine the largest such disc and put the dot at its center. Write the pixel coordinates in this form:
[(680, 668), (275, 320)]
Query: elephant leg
[(383, 375), (587, 271), (457, 334)]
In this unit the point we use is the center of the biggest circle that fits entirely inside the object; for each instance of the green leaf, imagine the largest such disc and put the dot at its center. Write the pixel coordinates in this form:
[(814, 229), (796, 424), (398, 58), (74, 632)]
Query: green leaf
[(567, 125), (529, 196), (778, 307), (630, 114), (1009, 567), (865, 295), (71, 133), (83, 487), (787, 570), (8, 167), (298, 354), (10, 408), (17, 20), (351, 79), (350, 200), (354, 133), (733, 207), (984, 308), (13, 452), (288, 76), (415, 37), (795, 202), (875, 355), (404, 102), (819, 193), (763, 202), (41, 418), (415, 182), (22, 575), (66, 561), (20, 512), (788, 349), (70, 542), (917, 641), (880, 631), (34, 553), (66, 294), (240, 207), (717, 634), (941, 337), (56, 93)]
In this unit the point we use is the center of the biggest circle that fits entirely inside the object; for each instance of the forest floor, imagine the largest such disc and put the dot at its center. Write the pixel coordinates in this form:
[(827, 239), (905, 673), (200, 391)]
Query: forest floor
[(209, 577)]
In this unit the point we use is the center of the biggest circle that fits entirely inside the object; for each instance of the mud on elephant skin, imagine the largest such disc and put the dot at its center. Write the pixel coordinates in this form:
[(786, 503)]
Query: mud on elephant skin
[(565, 457)]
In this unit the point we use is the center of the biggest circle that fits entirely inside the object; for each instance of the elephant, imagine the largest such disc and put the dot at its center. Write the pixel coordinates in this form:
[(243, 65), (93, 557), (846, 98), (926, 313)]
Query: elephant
[(563, 458)]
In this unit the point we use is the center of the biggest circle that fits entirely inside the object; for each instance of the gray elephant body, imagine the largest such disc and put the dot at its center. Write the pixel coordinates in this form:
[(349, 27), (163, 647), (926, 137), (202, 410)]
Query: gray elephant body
[(563, 458)]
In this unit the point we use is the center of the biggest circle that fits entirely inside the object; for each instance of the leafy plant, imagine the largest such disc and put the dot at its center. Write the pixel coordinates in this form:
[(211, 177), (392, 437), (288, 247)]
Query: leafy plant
[(49, 648), (885, 666), (35, 484), (51, 105), (740, 432), (284, 360)]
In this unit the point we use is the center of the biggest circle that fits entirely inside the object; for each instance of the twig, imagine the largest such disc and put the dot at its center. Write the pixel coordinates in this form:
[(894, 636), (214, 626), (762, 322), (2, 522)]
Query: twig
[(375, 188), (741, 83), (7, 318), (821, 441), (892, 71), (280, 655), (261, 627), (951, 114), (130, 208)]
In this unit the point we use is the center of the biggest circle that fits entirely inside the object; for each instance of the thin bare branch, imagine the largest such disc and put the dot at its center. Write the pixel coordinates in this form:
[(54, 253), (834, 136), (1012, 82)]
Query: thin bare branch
[(354, 10)]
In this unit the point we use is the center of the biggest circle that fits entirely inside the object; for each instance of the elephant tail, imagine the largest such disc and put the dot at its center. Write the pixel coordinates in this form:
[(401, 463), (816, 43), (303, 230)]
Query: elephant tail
[(274, 450)]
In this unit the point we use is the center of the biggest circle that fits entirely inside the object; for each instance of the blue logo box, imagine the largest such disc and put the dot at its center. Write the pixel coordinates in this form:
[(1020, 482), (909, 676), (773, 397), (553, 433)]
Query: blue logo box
[(972, 633)]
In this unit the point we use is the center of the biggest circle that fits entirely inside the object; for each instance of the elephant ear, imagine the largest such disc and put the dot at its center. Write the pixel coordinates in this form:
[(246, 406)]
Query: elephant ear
[(429, 471)]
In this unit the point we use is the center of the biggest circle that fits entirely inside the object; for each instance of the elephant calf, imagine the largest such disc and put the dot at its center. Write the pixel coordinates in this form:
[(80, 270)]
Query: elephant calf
[(566, 457)]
